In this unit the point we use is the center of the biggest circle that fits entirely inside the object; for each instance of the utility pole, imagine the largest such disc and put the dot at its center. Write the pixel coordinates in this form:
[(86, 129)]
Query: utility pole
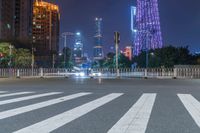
[(33, 60), (10, 59)]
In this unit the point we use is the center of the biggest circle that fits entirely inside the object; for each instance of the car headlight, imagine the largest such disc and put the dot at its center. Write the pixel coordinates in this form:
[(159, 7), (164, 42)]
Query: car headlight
[(99, 74), (77, 74), (82, 74)]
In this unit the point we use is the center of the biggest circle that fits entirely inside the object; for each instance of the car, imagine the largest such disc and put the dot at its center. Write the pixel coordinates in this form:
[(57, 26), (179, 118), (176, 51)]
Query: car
[(79, 74), (95, 74)]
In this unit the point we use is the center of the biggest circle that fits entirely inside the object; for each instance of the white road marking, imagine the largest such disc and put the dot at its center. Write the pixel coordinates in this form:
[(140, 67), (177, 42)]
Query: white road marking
[(192, 105), (27, 98), (136, 119), (3, 92), (20, 110), (14, 94), (57, 121)]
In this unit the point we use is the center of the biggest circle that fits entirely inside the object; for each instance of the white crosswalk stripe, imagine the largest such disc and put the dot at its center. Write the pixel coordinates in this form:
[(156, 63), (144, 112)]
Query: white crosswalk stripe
[(192, 105), (20, 110), (15, 94), (3, 92), (57, 121), (27, 98), (136, 119)]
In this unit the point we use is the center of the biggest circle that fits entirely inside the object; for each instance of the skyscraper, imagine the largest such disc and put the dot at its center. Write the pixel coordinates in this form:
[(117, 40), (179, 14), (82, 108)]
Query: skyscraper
[(23, 20), (98, 46), (16, 20), (133, 22), (7, 14), (148, 26), (78, 48), (45, 32)]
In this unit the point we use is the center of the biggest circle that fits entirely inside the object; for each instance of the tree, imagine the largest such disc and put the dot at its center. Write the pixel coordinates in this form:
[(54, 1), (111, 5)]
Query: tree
[(165, 57), (110, 61), (19, 57), (68, 62), (23, 58)]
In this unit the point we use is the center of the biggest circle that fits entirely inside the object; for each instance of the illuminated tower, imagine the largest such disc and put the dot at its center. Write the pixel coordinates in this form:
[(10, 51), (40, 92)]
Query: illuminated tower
[(98, 48), (78, 48), (148, 26), (45, 32), (133, 22)]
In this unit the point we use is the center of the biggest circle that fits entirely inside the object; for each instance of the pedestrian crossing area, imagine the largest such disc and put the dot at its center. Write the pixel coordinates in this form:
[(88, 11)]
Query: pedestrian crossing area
[(134, 120)]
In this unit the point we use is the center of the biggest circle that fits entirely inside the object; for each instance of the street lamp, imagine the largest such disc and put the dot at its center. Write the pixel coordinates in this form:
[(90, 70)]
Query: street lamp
[(10, 59)]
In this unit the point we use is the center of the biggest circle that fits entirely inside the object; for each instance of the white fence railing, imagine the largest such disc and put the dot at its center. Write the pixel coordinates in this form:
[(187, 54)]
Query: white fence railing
[(126, 72)]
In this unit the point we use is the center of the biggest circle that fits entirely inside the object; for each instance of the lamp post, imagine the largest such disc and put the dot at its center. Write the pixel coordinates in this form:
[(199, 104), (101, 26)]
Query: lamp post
[(10, 59)]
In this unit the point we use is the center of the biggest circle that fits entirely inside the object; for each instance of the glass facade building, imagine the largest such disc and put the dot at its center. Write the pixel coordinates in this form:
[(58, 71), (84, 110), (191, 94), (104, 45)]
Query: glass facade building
[(98, 46)]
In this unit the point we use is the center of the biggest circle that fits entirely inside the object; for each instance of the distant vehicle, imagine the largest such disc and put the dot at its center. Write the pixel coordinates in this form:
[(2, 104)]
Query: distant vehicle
[(95, 74), (79, 74)]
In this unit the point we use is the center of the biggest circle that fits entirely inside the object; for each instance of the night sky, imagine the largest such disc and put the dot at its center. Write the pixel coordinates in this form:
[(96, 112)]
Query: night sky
[(180, 21)]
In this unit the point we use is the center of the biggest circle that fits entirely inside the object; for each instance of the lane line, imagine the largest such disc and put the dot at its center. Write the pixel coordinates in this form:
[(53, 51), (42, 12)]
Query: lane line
[(20, 110), (137, 117), (15, 94), (57, 121), (27, 98), (192, 105)]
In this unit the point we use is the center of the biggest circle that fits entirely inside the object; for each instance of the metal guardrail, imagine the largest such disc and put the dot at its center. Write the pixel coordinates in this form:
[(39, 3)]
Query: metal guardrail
[(190, 73)]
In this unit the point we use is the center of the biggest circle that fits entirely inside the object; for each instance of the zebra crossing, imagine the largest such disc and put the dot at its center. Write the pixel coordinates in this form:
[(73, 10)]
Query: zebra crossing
[(134, 120)]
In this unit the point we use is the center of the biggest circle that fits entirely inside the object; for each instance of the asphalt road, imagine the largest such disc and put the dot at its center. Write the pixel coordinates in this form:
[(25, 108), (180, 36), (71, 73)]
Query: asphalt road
[(99, 106)]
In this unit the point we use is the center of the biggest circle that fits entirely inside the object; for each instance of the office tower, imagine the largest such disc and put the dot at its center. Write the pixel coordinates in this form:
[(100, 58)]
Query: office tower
[(16, 20), (7, 19), (45, 32), (23, 20), (133, 22), (148, 26), (98, 46), (78, 48)]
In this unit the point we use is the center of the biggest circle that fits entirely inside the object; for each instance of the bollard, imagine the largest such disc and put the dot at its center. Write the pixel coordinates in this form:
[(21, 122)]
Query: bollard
[(41, 73), (145, 74), (175, 73), (18, 75)]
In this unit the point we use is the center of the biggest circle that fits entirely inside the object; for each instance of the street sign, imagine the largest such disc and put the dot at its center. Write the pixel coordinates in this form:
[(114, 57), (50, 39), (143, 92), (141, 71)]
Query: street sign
[(116, 37)]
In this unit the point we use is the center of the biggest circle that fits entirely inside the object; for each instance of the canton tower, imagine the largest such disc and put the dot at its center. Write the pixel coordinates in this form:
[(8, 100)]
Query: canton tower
[(148, 31)]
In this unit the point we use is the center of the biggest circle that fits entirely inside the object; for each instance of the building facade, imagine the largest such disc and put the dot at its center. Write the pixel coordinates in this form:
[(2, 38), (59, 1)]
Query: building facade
[(16, 20), (128, 52), (23, 20), (7, 14), (148, 30), (78, 49), (45, 32), (98, 44)]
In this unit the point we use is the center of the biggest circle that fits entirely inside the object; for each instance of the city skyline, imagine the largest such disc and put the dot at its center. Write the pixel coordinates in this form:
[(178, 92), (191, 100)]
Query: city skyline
[(79, 15)]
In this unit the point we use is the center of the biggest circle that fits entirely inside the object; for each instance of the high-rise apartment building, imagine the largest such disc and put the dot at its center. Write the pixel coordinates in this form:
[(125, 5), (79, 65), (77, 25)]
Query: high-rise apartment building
[(7, 13), (16, 20), (148, 31), (23, 20), (45, 32), (98, 46)]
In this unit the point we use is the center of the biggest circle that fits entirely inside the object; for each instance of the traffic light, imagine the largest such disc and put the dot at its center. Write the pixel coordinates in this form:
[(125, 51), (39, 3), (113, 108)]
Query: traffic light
[(116, 37)]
